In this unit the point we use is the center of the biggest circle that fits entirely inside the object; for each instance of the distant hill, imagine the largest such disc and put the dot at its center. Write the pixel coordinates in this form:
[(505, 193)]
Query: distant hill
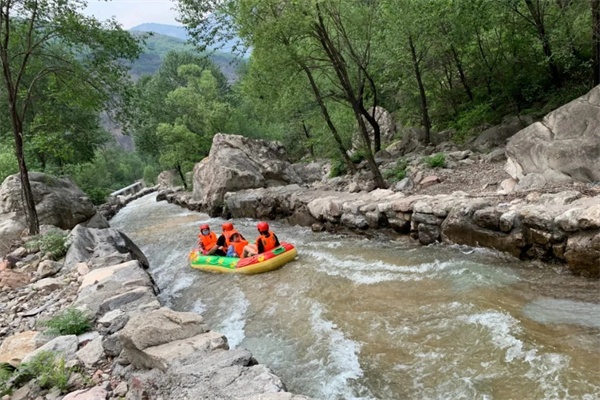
[(175, 31), (158, 45), (179, 32)]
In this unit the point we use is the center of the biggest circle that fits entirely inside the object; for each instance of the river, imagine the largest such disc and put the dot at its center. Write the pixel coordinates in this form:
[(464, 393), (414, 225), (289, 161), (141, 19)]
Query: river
[(353, 318)]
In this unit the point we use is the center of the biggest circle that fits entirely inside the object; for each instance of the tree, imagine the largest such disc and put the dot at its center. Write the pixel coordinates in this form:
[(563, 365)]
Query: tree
[(51, 38), (151, 99), (315, 39), (596, 40)]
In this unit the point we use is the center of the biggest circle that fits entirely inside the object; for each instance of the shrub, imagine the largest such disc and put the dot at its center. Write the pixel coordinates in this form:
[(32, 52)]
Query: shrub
[(150, 175), (97, 195), (338, 168), (53, 242), (47, 368), (437, 160), (471, 118), (5, 374), (70, 322), (398, 172), (357, 157)]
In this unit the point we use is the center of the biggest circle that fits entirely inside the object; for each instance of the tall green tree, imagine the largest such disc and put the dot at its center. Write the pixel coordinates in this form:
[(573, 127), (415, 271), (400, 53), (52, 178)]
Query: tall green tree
[(327, 41), (51, 38)]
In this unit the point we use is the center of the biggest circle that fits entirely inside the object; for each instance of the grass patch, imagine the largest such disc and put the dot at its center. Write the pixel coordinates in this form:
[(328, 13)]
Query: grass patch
[(338, 168), (398, 172), (357, 157), (438, 160), (47, 368), (70, 322), (53, 242)]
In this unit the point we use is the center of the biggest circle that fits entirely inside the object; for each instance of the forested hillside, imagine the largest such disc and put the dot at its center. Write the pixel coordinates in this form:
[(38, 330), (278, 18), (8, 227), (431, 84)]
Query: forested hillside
[(315, 73), (157, 45)]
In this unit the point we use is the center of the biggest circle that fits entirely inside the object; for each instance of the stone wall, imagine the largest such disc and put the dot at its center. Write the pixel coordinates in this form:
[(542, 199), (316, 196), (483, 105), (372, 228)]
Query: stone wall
[(562, 228)]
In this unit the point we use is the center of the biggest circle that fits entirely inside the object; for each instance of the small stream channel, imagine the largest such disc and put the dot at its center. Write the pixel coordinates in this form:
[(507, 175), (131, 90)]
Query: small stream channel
[(377, 319)]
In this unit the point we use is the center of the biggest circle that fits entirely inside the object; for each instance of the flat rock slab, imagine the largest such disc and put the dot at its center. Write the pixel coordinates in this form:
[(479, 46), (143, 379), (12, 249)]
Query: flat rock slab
[(15, 348)]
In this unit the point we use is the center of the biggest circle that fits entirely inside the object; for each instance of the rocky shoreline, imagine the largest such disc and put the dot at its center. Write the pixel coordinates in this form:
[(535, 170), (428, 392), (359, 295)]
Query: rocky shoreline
[(136, 349), (557, 228)]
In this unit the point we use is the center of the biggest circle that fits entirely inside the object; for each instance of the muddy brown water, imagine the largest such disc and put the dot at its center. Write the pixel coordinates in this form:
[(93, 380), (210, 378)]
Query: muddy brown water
[(378, 319)]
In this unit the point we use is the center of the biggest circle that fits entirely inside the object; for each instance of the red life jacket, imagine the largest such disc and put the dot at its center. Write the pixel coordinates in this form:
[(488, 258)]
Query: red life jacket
[(207, 241), (269, 243)]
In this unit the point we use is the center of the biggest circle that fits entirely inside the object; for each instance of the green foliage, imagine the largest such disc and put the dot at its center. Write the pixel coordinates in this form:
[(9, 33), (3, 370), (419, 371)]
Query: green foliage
[(8, 162), (438, 160), (112, 168), (53, 242), (72, 321), (398, 172), (6, 371), (338, 168), (471, 118), (357, 156), (150, 175), (47, 368)]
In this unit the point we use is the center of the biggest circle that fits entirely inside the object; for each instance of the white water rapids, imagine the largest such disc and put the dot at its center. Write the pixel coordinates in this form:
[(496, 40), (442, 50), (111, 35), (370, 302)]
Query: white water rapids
[(377, 319)]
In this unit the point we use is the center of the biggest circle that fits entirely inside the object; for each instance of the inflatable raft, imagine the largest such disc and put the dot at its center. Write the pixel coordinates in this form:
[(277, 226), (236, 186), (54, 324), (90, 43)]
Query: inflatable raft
[(265, 262)]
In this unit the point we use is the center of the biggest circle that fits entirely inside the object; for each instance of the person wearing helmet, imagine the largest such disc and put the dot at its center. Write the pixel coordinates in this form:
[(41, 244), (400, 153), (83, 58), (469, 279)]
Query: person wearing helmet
[(266, 241), (207, 240), (236, 249), (224, 241)]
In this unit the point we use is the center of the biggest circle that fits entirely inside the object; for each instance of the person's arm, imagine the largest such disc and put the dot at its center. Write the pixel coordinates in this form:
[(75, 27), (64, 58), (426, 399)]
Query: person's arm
[(260, 246), (277, 244), (221, 245)]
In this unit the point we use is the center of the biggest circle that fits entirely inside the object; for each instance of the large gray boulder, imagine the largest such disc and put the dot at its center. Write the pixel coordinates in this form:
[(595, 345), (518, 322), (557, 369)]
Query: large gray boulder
[(565, 145), (497, 135), (58, 202), (236, 163)]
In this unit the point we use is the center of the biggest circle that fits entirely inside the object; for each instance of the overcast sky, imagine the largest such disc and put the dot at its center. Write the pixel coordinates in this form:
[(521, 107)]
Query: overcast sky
[(134, 12)]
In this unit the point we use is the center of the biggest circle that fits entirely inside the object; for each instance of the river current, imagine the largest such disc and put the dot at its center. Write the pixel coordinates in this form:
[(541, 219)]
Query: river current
[(353, 318)]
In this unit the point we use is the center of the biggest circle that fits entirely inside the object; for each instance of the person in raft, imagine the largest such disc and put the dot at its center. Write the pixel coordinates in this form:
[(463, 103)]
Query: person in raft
[(266, 241), (207, 240), (224, 241), (236, 248)]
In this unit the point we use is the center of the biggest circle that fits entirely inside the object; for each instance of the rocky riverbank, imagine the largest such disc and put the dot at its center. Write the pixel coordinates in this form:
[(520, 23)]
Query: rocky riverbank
[(135, 348), (559, 228)]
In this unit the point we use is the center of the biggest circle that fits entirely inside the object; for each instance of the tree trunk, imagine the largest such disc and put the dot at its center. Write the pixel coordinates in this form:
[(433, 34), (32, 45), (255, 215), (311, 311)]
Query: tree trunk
[(461, 73), (330, 125), (178, 168), (374, 124), (29, 206), (555, 73), (596, 40), (339, 67), (311, 149), (422, 94)]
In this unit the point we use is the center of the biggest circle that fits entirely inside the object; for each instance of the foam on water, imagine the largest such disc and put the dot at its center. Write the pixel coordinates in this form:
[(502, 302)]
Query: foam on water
[(366, 272), (544, 368), (342, 360), (234, 324)]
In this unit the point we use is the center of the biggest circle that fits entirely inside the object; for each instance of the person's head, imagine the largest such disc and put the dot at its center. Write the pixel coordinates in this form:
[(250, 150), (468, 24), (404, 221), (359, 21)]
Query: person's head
[(227, 226), (236, 237), (204, 229), (263, 227)]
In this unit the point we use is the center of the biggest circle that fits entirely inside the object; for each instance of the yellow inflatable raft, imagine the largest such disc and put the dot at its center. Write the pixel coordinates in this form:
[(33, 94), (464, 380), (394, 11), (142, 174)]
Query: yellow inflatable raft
[(265, 262)]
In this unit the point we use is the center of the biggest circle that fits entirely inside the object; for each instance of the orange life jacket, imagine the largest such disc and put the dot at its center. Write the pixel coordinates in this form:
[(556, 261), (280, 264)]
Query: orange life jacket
[(207, 241), (239, 247), (228, 235), (269, 243)]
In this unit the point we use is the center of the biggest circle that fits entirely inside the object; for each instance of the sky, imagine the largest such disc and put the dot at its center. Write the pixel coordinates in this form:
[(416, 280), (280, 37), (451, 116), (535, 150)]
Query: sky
[(134, 12)]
